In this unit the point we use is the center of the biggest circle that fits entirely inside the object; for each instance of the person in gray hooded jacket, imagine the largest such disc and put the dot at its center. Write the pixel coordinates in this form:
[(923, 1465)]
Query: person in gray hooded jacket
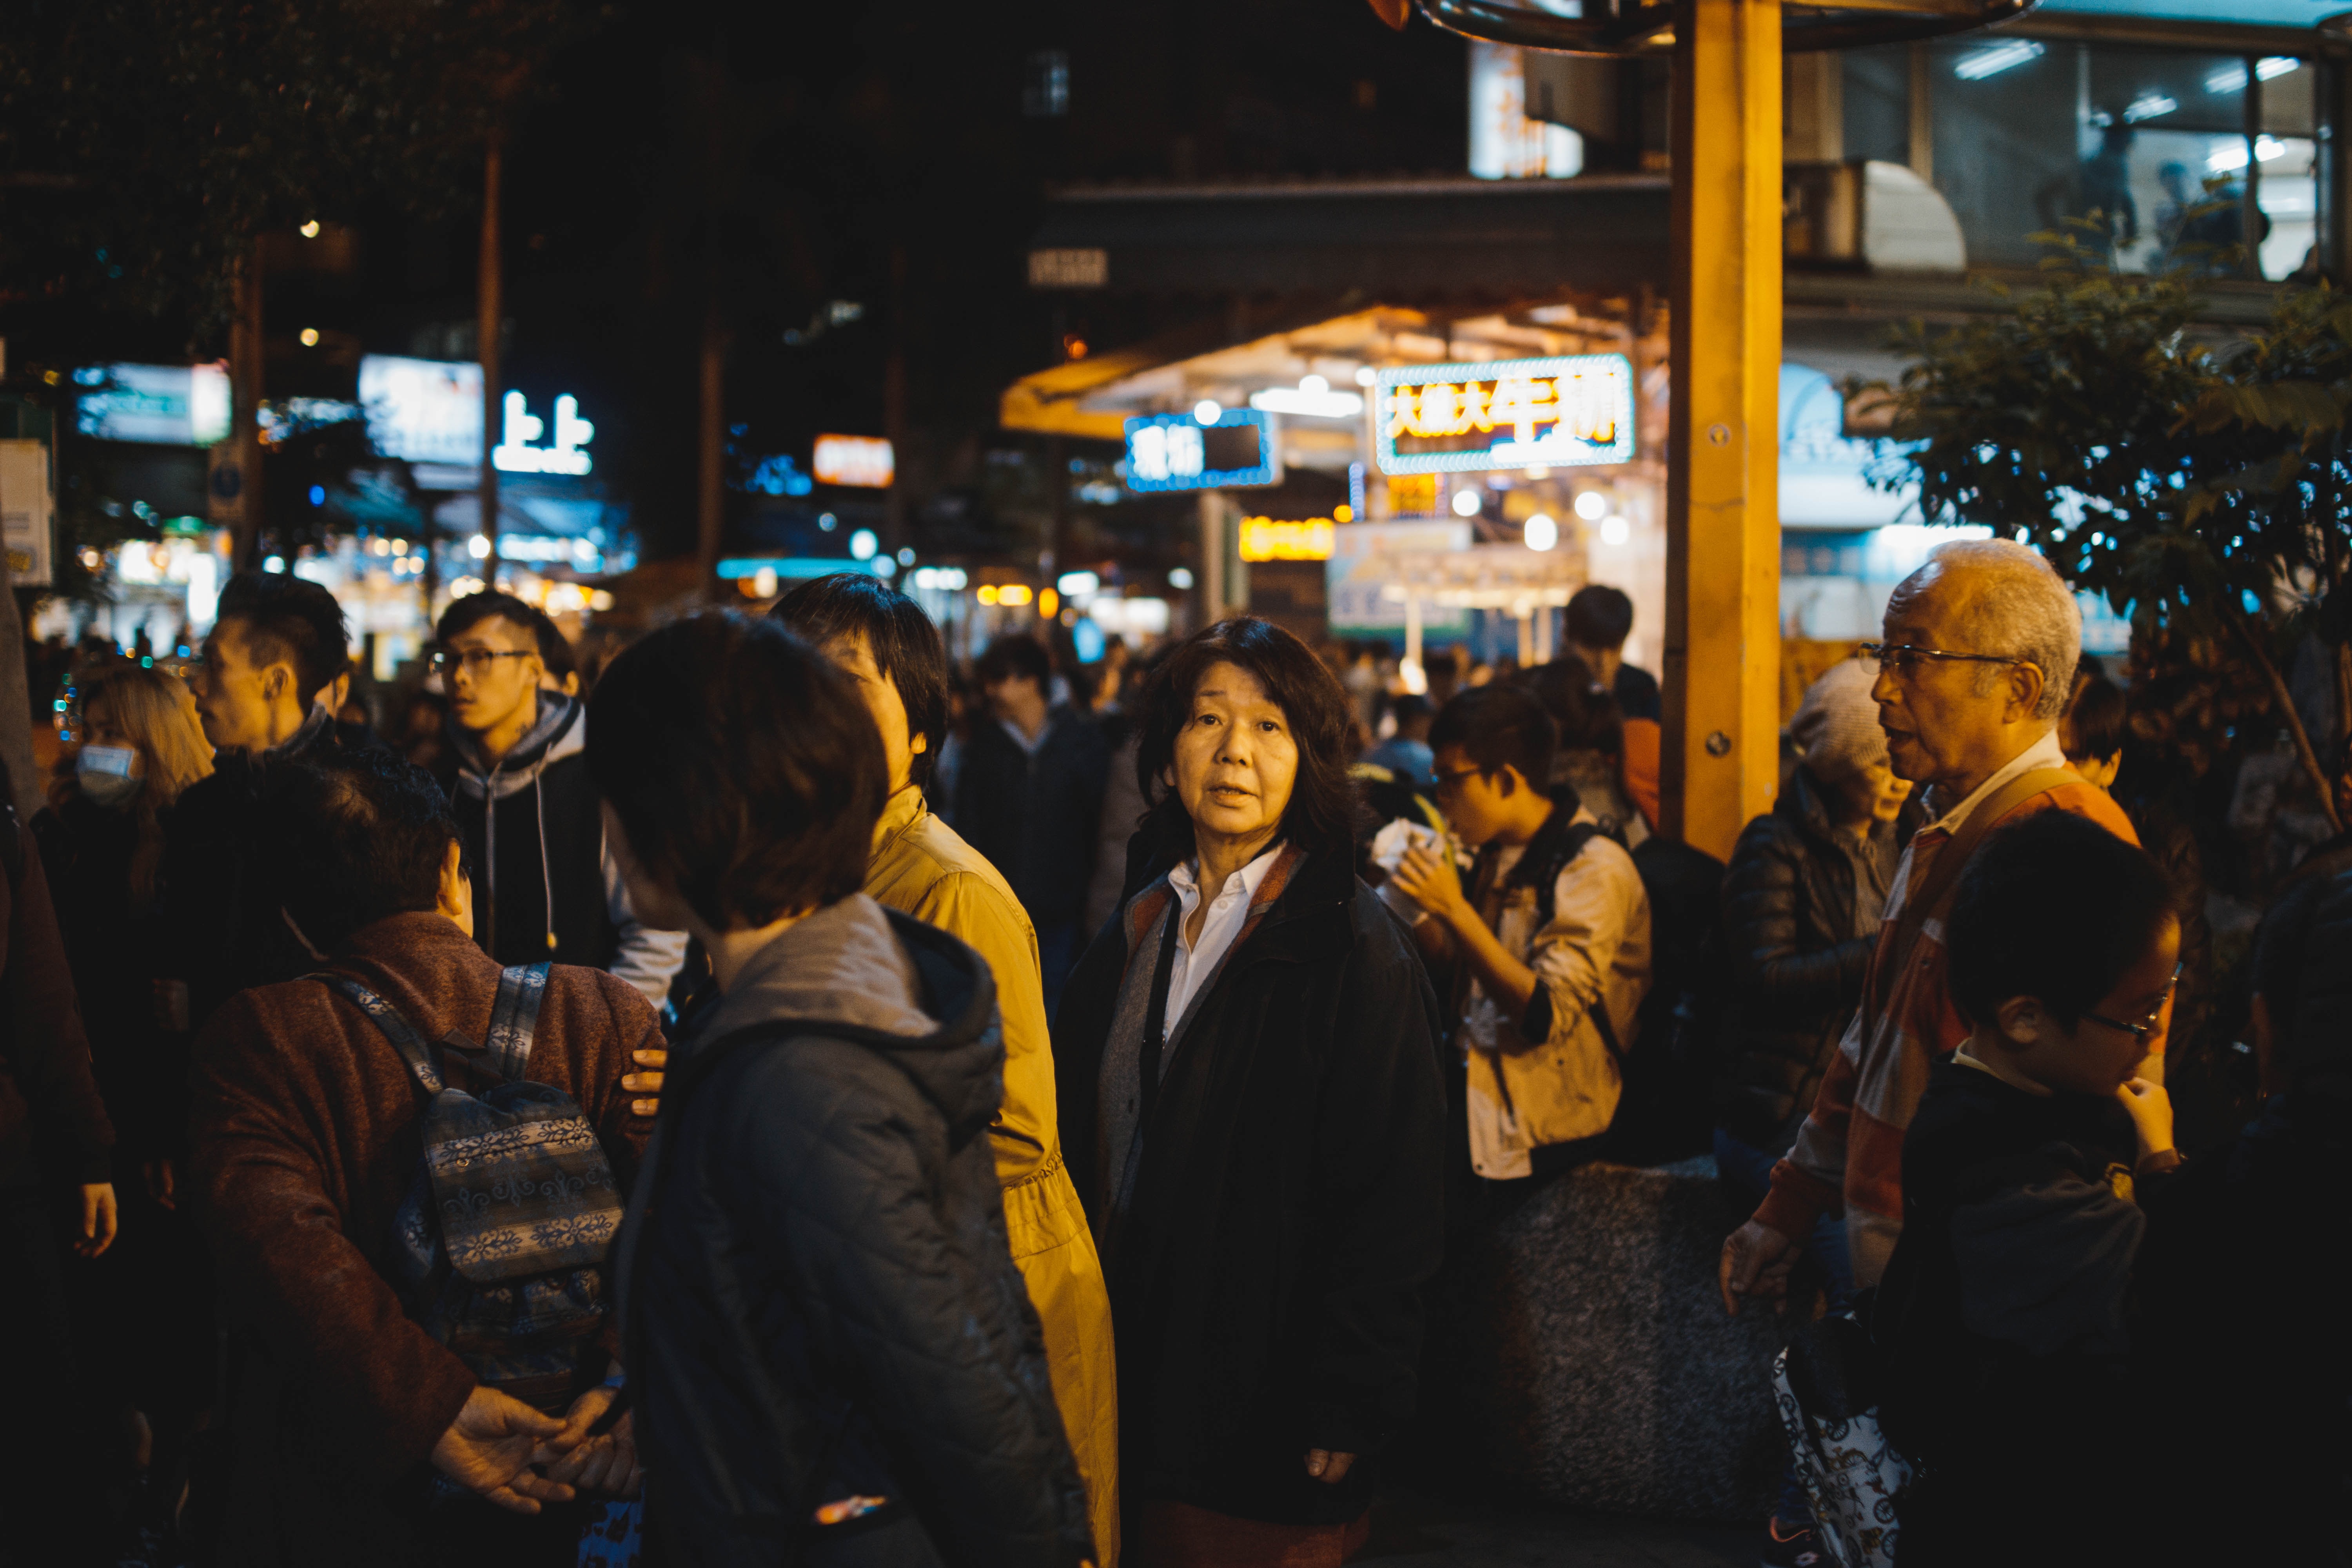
[(547, 887), (830, 1352)]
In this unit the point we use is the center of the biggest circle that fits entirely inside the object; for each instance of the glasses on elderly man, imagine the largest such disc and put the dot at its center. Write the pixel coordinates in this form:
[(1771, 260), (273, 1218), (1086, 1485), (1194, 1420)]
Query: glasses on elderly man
[(1902, 658)]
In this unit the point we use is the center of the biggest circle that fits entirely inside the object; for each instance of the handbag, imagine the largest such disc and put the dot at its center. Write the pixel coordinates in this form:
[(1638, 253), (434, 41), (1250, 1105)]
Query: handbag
[(1826, 1387)]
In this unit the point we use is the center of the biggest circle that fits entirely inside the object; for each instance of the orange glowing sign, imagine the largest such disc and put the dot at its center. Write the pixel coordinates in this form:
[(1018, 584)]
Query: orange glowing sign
[(1266, 539), (865, 462)]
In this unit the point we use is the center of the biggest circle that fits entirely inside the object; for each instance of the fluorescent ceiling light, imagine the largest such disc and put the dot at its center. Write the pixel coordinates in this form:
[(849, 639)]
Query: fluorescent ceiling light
[(1995, 58), (2148, 106)]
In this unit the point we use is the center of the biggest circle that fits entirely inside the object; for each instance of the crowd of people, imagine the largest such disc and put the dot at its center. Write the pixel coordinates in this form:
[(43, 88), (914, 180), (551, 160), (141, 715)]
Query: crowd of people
[(766, 1096)]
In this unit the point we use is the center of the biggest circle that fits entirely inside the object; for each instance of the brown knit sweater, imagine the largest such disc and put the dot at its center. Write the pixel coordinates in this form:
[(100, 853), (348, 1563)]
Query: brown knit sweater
[(305, 1143)]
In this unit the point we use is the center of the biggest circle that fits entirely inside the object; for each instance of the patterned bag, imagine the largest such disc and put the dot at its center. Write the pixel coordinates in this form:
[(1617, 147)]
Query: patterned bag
[(498, 1249), (1825, 1384)]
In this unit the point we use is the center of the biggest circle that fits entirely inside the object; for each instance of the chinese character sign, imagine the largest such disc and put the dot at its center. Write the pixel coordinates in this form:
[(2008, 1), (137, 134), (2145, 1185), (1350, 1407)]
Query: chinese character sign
[(1507, 413), (867, 461), (1271, 539), (1178, 452)]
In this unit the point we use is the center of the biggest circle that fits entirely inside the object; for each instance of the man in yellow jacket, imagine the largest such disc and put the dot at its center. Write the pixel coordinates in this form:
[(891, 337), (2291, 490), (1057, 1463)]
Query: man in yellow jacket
[(882, 638)]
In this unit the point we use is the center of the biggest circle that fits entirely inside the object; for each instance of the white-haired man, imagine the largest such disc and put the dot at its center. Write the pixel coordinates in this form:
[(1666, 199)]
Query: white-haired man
[(1979, 656)]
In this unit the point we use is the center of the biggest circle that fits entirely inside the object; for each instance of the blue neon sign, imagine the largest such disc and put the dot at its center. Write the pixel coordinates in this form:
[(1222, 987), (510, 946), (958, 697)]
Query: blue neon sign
[(1233, 450)]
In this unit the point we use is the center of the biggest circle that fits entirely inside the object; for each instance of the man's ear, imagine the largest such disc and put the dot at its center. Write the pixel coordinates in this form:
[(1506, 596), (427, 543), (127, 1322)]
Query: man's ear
[(1507, 782), (920, 744), (453, 896), (276, 682), (2025, 684), (2020, 1022)]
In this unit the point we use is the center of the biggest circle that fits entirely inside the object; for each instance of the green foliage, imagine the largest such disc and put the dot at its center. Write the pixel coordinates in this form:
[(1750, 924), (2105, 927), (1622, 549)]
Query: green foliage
[(142, 146), (2203, 488)]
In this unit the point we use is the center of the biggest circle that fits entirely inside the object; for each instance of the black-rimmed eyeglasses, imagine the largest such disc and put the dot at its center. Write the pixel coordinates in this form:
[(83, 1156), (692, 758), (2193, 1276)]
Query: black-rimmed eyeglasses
[(475, 659), (2146, 1027)]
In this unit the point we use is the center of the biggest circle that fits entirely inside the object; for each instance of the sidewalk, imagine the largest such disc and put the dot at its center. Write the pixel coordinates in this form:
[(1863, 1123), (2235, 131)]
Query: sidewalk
[(1421, 1531)]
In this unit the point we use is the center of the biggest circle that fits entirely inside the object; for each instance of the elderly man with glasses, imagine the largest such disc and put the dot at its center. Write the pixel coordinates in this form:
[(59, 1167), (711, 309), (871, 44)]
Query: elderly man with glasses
[(1979, 656)]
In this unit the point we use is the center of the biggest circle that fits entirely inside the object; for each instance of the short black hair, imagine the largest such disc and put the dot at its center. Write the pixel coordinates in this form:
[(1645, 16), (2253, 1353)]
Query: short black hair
[(464, 615), (1014, 656), (905, 644), (743, 766), (1323, 810), (289, 620), (2097, 721), (351, 837), (1600, 617), (1589, 718), (1409, 707), (2054, 907), (1498, 726)]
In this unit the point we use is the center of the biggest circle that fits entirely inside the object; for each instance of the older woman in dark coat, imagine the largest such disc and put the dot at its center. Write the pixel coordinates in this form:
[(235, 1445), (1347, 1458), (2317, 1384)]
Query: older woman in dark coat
[(1252, 1109)]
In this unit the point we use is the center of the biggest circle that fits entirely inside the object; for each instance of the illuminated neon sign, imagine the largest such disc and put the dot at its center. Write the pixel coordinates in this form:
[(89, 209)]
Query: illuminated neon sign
[(865, 461), (1507, 413), (1233, 448), (1269, 539), (519, 427)]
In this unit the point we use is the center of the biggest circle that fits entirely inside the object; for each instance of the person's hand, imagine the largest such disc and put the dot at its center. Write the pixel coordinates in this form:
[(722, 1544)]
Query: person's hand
[(606, 1462), (98, 1219), (1756, 1262), (1327, 1466), (163, 1181), (647, 1083), (2151, 1113), (1429, 879), (492, 1445)]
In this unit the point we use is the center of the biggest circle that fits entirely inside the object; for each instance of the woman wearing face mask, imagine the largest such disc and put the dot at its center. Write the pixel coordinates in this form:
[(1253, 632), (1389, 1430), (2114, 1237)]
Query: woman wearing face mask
[(141, 1307)]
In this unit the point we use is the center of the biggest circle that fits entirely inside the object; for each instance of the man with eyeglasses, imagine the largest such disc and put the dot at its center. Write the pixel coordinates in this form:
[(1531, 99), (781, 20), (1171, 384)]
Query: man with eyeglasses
[(547, 889), (1978, 661)]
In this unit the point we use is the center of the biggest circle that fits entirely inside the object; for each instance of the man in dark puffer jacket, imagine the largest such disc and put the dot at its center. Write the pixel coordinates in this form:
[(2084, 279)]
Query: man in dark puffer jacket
[(830, 1353)]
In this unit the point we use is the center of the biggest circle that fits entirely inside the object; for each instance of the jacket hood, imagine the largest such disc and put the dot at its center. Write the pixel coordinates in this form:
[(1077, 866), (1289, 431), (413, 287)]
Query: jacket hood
[(903, 989), (561, 729)]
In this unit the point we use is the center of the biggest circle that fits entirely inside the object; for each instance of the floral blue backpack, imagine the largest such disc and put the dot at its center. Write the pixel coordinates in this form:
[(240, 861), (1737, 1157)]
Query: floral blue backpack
[(498, 1249)]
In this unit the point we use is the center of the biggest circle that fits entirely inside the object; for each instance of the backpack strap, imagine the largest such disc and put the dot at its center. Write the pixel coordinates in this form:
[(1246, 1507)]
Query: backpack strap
[(514, 1017), (395, 1028)]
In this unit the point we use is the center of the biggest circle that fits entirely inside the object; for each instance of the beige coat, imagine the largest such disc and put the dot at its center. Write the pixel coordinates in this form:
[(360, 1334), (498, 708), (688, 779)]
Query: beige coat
[(1527, 1094), (920, 867)]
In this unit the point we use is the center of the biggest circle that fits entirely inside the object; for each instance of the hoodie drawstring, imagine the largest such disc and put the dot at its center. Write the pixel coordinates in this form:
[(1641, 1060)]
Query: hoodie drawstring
[(546, 878)]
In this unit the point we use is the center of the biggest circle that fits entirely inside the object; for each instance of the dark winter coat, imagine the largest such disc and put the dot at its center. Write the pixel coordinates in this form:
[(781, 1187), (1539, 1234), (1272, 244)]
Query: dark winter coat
[(1287, 1206), (1034, 816), (1796, 966), (225, 932), (52, 1124), (817, 1297), (116, 954)]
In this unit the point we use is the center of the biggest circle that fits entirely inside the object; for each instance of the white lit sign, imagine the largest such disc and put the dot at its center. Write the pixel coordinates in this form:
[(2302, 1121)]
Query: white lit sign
[(163, 405), (430, 411), (865, 461), (519, 427)]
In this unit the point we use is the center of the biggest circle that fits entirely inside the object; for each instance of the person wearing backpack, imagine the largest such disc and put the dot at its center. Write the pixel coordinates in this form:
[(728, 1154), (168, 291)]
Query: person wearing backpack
[(409, 1164), (831, 1351), (1552, 938)]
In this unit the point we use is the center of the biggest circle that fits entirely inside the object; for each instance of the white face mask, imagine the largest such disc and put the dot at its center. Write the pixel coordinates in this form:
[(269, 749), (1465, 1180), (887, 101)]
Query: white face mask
[(105, 776)]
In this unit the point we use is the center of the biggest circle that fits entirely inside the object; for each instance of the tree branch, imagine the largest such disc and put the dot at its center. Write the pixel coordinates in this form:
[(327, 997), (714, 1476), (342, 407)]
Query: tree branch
[(2285, 699)]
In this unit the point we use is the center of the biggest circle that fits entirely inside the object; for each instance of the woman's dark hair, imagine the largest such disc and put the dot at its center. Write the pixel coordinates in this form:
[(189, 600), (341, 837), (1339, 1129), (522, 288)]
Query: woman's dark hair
[(1497, 726), (2097, 721), (743, 766), (2054, 907), (1589, 718), (353, 837), (905, 644), (1321, 816)]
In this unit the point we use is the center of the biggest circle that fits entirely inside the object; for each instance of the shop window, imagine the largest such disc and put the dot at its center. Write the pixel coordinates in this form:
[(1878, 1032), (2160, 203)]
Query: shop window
[(2153, 145)]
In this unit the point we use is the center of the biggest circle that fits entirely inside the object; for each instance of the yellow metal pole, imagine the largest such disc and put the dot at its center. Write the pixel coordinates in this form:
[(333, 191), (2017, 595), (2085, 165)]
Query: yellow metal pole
[(1721, 752)]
